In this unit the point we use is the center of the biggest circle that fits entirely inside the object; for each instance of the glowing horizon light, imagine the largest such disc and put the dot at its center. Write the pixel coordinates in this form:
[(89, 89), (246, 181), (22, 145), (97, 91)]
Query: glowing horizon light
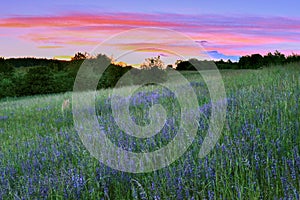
[(63, 57)]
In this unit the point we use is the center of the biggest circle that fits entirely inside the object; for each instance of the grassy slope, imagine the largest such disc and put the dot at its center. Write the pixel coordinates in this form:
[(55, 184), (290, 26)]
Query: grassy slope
[(257, 156)]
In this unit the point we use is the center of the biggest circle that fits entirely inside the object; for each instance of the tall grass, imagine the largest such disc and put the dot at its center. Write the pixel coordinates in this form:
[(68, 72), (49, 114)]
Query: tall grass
[(257, 157)]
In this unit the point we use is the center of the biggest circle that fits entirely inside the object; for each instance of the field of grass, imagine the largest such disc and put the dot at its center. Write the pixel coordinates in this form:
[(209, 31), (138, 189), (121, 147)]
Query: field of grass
[(257, 156)]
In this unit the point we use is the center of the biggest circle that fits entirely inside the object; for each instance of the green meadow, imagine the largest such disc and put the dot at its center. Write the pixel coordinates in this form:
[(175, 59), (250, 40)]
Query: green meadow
[(257, 156)]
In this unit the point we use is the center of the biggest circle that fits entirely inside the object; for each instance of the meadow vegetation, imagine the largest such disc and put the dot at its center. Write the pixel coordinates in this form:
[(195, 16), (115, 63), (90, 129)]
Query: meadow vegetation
[(257, 156)]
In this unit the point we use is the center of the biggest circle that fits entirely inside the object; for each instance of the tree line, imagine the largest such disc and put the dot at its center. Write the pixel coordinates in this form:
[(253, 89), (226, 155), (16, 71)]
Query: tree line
[(31, 76), (254, 61)]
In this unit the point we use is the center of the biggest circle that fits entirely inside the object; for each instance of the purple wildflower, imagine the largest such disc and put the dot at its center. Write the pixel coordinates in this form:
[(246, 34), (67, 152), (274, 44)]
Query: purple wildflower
[(3, 118)]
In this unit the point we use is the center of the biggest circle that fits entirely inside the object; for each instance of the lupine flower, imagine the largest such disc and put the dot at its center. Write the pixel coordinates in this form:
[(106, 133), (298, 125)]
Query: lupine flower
[(211, 194), (44, 191), (292, 169), (285, 186), (3, 118)]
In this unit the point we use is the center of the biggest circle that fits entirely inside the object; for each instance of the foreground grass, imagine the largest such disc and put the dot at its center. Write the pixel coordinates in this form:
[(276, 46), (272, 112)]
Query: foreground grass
[(41, 155)]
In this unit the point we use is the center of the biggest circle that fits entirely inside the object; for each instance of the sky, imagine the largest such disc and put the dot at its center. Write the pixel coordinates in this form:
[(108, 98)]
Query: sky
[(223, 29)]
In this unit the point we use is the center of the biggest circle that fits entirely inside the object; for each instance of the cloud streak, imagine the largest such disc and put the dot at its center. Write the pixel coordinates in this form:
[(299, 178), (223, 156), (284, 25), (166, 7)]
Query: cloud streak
[(50, 47)]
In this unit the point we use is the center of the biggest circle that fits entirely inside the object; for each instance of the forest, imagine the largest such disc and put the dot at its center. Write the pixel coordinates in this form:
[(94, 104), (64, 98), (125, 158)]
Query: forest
[(31, 76)]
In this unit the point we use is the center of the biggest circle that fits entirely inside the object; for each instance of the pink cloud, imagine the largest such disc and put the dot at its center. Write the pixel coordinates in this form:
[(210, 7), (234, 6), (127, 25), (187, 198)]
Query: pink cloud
[(50, 47), (79, 20)]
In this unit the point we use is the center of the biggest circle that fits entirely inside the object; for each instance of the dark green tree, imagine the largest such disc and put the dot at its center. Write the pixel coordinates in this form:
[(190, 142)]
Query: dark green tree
[(293, 58), (5, 67), (80, 56), (256, 61), (39, 80), (274, 59), (7, 86)]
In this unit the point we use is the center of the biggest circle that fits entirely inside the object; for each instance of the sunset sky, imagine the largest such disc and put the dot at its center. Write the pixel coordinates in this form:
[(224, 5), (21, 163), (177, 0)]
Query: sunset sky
[(225, 29)]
